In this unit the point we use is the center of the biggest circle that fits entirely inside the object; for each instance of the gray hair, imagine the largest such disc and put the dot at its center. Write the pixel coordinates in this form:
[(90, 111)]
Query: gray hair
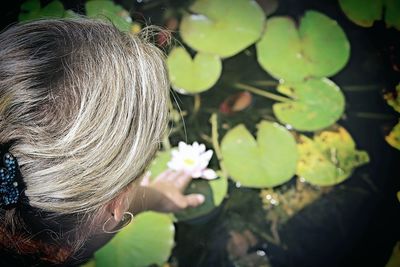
[(86, 106)]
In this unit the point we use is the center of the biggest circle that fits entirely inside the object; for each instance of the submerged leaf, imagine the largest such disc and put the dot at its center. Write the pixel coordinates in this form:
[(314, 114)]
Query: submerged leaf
[(148, 240), (236, 102), (319, 48), (329, 158), (316, 104), (222, 27), (266, 162), (193, 76)]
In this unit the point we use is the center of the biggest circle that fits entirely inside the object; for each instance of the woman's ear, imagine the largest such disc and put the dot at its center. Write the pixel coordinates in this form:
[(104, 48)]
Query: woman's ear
[(118, 206)]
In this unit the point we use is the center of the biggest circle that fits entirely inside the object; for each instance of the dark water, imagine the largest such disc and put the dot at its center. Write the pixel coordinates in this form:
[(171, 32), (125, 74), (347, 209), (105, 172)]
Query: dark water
[(356, 224)]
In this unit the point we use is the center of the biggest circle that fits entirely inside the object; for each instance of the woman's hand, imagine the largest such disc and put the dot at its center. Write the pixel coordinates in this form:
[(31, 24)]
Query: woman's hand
[(165, 193)]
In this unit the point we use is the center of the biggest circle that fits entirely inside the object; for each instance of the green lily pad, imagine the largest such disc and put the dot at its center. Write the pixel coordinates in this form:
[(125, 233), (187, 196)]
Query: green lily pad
[(222, 27), (394, 137), (31, 10), (148, 240), (365, 12), (329, 158), (214, 191), (316, 104), (319, 48), (266, 162), (193, 76), (108, 10)]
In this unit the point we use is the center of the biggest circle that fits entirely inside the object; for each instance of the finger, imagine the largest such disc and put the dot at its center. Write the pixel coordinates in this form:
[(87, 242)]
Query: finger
[(194, 200), (164, 175), (182, 181), (173, 176)]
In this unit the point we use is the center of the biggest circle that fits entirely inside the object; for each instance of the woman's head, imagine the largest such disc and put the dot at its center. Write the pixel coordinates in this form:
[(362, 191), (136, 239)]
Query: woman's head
[(84, 106)]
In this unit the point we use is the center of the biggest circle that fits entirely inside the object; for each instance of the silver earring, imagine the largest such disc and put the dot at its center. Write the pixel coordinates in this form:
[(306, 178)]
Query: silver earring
[(126, 219)]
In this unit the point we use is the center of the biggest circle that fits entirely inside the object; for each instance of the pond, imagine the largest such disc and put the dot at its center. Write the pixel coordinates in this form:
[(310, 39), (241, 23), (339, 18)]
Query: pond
[(296, 115)]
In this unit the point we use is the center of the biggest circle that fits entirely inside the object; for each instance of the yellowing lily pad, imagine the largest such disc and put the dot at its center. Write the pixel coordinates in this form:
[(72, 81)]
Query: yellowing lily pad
[(394, 137), (394, 260), (32, 9), (319, 48), (108, 10), (315, 104), (193, 76), (214, 191), (148, 240), (393, 99), (365, 12), (329, 158), (222, 27), (266, 162)]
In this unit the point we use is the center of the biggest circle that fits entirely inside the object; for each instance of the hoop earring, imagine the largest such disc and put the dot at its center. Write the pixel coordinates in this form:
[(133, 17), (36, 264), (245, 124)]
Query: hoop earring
[(125, 221)]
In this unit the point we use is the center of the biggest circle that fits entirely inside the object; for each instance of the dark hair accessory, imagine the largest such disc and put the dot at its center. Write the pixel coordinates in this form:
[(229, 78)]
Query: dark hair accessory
[(10, 182)]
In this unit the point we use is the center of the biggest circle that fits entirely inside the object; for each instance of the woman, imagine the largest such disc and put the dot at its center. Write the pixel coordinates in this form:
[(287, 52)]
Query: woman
[(83, 108)]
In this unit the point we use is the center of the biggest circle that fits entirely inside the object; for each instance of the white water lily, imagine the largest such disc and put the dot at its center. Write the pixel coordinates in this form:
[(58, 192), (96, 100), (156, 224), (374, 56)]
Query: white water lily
[(192, 159)]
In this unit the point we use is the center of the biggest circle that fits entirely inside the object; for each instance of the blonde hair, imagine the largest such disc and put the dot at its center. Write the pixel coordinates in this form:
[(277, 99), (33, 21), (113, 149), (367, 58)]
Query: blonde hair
[(85, 106)]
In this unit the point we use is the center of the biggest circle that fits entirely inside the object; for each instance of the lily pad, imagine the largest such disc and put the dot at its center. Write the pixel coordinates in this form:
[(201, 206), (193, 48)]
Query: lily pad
[(315, 104), (266, 162), (365, 12), (319, 48), (108, 10), (222, 27), (193, 76), (329, 158), (214, 191), (394, 137), (32, 9), (148, 240), (393, 98)]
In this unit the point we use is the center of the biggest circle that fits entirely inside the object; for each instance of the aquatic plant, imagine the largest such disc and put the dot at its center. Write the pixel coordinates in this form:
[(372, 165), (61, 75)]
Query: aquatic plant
[(192, 159)]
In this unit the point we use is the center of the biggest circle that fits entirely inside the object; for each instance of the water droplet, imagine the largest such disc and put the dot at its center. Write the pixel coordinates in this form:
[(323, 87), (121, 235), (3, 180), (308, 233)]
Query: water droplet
[(274, 202), (260, 253)]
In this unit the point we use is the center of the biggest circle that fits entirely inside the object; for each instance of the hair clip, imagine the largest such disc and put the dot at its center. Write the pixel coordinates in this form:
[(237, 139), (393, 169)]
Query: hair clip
[(10, 184)]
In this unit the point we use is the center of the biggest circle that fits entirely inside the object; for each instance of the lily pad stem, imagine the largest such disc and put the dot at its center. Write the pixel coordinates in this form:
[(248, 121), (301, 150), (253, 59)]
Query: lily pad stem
[(165, 142), (215, 142), (266, 83), (261, 92), (197, 103)]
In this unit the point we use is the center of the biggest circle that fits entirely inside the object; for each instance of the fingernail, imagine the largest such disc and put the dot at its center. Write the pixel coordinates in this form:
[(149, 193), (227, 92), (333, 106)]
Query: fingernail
[(201, 198)]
